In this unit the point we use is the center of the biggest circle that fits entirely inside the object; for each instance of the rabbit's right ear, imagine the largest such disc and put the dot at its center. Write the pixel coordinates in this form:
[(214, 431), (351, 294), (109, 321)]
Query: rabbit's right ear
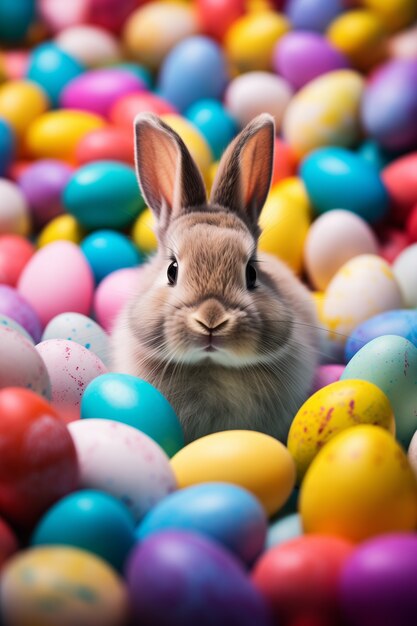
[(168, 176)]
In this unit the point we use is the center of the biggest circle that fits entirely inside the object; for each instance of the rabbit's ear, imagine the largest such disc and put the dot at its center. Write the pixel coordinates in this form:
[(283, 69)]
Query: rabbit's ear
[(244, 175), (168, 176)]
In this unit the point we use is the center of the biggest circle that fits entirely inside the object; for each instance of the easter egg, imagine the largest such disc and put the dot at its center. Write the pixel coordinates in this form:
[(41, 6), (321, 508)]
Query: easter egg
[(39, 462), (402, 322), (143, 232), (21, 365), (113, 293), (126, 108), (400, 179), (294, 48), (14, 305), (71, 367), (372, 152), (106, 144), (254, 93), (250, 40), (285, 165), (137, 403), (8, 542), (325, 112), (103, 194), (42, 184), (120, 460), (52, 68), (90, 45), (404, 268), (107, 251), (61, 228), (283, 529), (412, 453), (389, 106), (336, 178), (21, 102), (16, 19), (61, 269), (359, 485), (15, 252), (56, 134), (86, 519), (300, 579), (333, 239), (331, 410), (153, 30), (360, 289), (186, 566), (8, 322), (392, 241), (225, 513), (326, 375), (79, 586), (411, 224), (376, 582), (395, 14), (214, 122), (7, 146), (395, 375), (249, 459), (215, 16), (14, 216), (312, 15)]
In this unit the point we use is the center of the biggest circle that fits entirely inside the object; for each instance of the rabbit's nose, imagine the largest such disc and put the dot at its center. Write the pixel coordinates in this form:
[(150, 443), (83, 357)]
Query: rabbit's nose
[(210, 317)]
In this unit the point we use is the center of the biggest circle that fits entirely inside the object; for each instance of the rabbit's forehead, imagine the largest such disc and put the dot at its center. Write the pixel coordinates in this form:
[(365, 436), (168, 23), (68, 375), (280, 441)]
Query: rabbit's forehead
[(207, 242)]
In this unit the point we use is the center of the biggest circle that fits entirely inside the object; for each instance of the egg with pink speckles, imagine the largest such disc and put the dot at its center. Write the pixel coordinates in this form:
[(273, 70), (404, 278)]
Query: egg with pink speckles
[(71, 368), (122, 461), (20, 363)]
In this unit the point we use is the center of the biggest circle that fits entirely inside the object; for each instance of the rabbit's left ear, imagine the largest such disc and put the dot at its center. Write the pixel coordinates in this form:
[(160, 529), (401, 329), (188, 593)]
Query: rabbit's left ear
[(244, 175)]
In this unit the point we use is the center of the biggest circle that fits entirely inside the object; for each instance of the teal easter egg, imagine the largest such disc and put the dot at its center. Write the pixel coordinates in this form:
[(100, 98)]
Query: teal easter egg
[(16, 19), (91, 520), (7, 146), (336, 178), (284, 529), (372, 152), (103, 194), (107, 251), (52, 69), (132, 401), (226, 513), (390, 362), (214, 122)]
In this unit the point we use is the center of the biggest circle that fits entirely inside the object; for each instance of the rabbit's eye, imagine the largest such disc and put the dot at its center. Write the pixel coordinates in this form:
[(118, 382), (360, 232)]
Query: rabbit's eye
[(172, 273), (250, 276)]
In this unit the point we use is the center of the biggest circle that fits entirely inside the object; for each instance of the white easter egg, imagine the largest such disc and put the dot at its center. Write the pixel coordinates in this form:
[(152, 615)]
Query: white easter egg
[(405, 271), (7, 322), (91, 45), (14, 211)]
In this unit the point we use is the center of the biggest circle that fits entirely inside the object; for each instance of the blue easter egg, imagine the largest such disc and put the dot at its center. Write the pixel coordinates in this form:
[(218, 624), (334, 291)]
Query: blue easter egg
[(284, 529), (336, 178), (372, 152), (313, 15), (52, 69), (401, 322), (193, 70), (227, 513), (16, 17), (7, 146), (107, 251), (132, 401), (214, 122), (90, 520), (103, 194)]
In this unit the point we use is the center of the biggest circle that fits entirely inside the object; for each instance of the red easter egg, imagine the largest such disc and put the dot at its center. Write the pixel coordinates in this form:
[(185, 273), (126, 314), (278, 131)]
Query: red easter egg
[(215, 16), (125, 109), (15, 252), (392, 241), (110, 143), (412, 224), (400, 179), (285, 162), (17, 168), (300, 579), (8, 542), (38, 460), (111, 14)]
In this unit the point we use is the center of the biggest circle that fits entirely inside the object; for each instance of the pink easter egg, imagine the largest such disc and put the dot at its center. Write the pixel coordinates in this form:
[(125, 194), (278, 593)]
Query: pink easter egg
[(112, 294), (325, 375)]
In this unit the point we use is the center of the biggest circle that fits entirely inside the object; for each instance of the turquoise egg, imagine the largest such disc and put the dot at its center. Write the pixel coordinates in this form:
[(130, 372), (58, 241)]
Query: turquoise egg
[(7, 146), (284, 529), (390, 362), (372, 152), (336, 178), (52, 69), (140, 71), (90, 520), (226, 513), (132, 401), (103, 194), (16, 19), (215, 123), (107, 251)]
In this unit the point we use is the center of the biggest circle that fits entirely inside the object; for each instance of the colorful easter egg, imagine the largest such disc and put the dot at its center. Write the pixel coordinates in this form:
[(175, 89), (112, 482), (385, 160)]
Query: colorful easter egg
[(372, 152), (8, 322), (143, 232), (394, 13), (13, 304), (16, 19), (90, 45), (126, 108), (14, 216), (326, 375), (400, 179), (21, 102), (215, 16), (312, 15), (7, 146), (15, 252), (283, 529), (404, 268), (107, 251), (214, 122), (62, 228), (193, 139), (113, 293), (106, 144)]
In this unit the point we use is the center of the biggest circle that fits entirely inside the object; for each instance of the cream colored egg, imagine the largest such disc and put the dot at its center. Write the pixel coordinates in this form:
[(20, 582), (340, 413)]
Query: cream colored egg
[(91, 45), (14, 211), (405, 271)]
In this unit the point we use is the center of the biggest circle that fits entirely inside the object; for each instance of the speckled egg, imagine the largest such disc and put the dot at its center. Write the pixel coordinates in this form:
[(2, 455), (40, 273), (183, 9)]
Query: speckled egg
[(332, 409), (390, 362), (120, 460), (8, 322), (20, 364), (71, 368), (15, 306)]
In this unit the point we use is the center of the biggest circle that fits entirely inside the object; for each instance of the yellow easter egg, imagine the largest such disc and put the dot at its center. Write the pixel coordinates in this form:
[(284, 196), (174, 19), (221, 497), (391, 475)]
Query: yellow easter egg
[(361, 36), (21, 102), (56, 134), (64, 227), (395, 14), (47, 586), (194, 140), (257, 462), (250, 40), (143, 232), (325, 113), (212, 174), (331, 410), (284, 224), (359, 485), (294, 188)]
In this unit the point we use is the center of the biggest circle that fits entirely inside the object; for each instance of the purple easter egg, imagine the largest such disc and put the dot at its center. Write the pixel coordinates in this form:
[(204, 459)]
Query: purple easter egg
[(42, 184), (179, 578), (389, 106), (97, 90), (379, 582), (313, 15), (18, 309), (292, 50), (325, 375)]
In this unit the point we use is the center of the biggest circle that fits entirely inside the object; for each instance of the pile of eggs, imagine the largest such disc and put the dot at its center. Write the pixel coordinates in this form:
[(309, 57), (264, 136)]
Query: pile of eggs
[(106, 517)]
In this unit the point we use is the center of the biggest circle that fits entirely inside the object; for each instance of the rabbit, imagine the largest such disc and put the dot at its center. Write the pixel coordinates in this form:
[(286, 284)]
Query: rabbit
[(226, 333)]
